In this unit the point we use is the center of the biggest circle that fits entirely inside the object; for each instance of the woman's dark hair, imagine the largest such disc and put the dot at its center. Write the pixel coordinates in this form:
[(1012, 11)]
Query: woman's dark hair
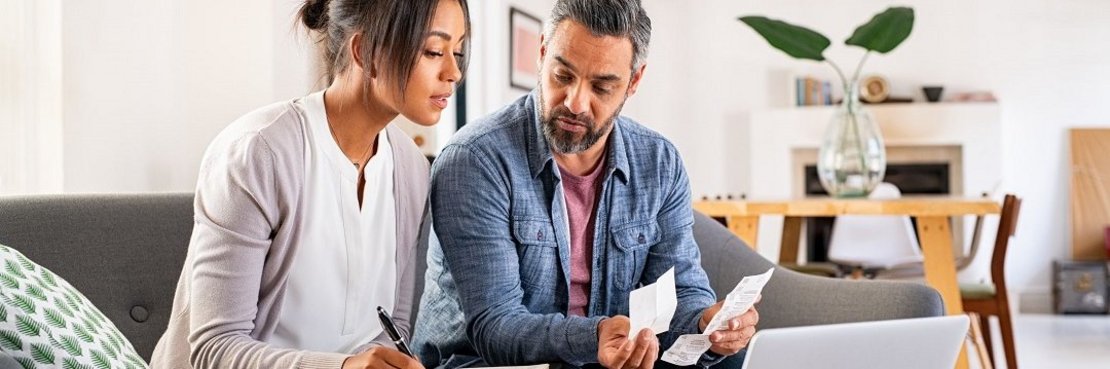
[(393, 33)]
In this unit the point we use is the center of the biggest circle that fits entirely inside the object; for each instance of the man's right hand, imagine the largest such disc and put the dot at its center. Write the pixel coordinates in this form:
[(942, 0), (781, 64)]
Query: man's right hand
[(381, 358), (616, 351)]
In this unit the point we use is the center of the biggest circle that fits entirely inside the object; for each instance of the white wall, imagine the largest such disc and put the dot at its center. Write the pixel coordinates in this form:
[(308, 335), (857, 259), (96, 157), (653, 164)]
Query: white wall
[(1044, 59), (488, 81), (148, 83), (30, 97)]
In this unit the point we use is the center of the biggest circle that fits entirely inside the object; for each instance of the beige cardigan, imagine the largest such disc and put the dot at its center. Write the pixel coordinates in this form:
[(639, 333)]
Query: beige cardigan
[(246, 235)]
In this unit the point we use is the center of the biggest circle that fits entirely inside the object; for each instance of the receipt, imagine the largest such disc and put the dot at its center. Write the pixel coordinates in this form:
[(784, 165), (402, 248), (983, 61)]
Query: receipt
[(653, 306), (739, 300), (688, 348)]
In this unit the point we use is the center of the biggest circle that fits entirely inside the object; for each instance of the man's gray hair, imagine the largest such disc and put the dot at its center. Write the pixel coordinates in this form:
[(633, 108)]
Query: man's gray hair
[(618, 18)]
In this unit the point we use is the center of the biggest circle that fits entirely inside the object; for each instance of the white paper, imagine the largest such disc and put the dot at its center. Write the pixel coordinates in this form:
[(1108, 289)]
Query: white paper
[(688, 348), (653, 306), (739, 300)]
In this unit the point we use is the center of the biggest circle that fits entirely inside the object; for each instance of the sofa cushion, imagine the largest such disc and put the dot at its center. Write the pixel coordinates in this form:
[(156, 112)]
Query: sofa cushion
[(45, 322)]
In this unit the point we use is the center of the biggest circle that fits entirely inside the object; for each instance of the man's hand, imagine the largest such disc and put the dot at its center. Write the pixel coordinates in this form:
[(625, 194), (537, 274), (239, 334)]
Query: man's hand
[(381, 358), (737, 332), (616, 351)]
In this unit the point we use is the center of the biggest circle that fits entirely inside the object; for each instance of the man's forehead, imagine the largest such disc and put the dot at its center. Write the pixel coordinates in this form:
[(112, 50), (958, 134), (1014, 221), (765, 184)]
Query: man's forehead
[(572, 43)]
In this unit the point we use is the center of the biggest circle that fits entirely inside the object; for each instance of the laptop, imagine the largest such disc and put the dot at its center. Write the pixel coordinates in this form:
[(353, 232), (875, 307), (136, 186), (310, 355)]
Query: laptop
[(923, 343)]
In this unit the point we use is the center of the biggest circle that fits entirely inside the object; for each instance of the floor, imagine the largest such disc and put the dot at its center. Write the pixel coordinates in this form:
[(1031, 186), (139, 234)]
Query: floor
[(1058, 341)]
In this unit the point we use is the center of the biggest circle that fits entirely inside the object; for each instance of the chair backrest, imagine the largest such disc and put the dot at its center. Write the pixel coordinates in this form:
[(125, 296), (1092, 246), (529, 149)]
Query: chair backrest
[(881, 241), (1007, 227), (793, 299)]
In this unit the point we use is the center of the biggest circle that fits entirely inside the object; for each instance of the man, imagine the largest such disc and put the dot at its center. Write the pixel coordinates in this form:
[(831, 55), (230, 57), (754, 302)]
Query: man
[(552, 210)]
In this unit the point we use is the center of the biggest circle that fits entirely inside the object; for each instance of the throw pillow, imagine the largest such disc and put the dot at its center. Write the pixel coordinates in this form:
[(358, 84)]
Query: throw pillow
[(46, 323)]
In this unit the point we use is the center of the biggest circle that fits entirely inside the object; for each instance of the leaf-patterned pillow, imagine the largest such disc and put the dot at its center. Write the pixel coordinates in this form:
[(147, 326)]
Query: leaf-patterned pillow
[(46, 323)]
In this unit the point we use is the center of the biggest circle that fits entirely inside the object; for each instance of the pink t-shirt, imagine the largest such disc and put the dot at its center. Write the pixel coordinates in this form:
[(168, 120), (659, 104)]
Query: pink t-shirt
[(580, 194)]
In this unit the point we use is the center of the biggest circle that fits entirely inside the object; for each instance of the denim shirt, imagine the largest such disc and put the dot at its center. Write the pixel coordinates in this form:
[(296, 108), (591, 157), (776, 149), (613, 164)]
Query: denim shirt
[(497, 279)]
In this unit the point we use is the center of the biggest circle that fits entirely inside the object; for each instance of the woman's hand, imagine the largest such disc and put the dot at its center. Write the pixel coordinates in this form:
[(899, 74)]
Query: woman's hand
[(381, 358)]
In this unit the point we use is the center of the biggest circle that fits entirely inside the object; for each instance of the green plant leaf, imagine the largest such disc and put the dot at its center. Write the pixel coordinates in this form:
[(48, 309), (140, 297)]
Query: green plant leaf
[(27, 327), (26, 362), (54, 318), (71, 345), (8, 281), (885, 31), (131, 358), (22, 302), (27, 264), (796, 41), (73, 303), (71, 363), (14, 269), (107, 347), (42, 353), (10, 340), (115, 344), (36, 292), (61, 305), (100, 360), (49, 277), (3, 313), (89, 324), (82, 333)]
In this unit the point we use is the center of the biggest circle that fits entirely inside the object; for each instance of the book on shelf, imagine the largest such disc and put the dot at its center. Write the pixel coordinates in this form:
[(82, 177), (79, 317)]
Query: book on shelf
[(809, 91)]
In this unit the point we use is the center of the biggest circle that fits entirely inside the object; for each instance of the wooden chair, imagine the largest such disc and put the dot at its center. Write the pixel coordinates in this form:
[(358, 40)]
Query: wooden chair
[(992, 299)]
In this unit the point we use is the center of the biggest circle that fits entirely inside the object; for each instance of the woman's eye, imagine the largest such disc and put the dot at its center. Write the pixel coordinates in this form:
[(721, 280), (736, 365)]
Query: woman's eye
[(433, 53)]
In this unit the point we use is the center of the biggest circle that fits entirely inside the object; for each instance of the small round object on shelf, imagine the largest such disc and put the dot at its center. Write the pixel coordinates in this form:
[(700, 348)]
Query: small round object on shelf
[(874, 89)]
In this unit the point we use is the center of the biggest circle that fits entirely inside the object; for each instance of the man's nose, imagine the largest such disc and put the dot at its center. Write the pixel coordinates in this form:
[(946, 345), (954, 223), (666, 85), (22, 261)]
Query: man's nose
[(578, 99)]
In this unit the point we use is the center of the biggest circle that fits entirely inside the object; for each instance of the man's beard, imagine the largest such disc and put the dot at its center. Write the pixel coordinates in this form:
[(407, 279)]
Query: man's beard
[(564, 142)]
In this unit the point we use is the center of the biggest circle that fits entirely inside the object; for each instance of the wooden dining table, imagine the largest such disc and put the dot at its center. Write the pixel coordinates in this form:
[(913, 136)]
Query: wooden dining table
[(933, 229)]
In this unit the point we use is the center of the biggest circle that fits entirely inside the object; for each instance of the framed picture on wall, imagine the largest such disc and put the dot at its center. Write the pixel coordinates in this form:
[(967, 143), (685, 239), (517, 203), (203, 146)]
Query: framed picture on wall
[(524, 49)]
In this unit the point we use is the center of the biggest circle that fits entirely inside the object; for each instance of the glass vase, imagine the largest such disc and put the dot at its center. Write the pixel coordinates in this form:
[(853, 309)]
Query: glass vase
[(852, 157)]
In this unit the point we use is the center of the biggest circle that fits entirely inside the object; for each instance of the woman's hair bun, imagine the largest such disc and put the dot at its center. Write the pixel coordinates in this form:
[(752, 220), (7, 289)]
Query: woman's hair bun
[(314, 14)]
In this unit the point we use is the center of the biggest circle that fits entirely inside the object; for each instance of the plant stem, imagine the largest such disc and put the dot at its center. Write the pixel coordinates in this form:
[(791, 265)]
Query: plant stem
[(860, 66), (843, 82)]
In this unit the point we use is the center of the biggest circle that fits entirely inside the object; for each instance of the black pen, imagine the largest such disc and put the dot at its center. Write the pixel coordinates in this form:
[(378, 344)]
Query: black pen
[(394, 334)]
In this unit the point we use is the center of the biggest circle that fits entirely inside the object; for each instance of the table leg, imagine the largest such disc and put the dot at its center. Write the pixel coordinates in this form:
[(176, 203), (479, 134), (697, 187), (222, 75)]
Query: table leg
[(940, 267), (745, 227), (791, 237)]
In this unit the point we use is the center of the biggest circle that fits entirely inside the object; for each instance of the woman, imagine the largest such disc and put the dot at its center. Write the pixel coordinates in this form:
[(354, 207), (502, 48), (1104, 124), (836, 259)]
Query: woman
[(307, 212)]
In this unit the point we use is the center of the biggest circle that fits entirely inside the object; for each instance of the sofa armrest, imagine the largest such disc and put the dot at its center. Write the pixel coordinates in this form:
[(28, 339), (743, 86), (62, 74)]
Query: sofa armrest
[(795, 299)]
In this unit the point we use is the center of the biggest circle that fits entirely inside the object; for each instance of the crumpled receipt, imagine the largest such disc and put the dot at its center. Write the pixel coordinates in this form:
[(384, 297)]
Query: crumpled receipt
[(688, 348)]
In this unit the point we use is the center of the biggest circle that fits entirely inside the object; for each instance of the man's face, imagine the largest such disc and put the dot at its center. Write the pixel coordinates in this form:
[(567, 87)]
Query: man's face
[(584, 82)]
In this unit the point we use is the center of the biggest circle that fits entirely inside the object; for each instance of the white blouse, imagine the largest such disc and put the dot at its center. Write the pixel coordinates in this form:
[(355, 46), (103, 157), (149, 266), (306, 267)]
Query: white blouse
[(346, 265)]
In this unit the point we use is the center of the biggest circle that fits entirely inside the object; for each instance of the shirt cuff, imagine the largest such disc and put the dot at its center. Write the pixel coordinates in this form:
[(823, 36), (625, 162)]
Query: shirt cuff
[(319, 360), (579, 346)]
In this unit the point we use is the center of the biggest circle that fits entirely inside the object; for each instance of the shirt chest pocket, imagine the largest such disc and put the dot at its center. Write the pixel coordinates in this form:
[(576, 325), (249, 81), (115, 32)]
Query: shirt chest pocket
[(633, 242), (537, 253)]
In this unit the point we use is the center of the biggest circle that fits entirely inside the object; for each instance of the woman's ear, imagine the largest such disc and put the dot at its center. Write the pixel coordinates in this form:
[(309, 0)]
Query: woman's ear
[(355, 49)]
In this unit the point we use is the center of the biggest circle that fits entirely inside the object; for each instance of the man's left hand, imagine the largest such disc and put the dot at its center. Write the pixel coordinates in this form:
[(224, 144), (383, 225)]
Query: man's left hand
[(736, 334)]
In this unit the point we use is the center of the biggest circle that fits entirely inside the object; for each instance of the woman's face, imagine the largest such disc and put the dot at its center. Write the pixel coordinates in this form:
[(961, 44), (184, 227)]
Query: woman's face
[(436, 71)]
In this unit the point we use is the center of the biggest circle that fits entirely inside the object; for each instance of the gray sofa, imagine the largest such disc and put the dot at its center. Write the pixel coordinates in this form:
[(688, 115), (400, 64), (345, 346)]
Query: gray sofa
[(125, 253)]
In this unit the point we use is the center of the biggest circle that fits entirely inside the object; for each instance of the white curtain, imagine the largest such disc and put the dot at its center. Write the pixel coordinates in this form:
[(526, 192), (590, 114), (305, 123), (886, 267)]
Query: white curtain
[(30, 96)]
